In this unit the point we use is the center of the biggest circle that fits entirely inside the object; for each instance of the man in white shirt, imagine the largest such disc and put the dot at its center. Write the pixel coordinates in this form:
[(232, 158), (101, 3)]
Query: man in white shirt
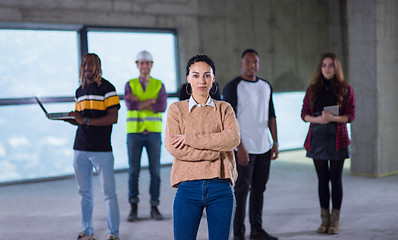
[(251, 98)]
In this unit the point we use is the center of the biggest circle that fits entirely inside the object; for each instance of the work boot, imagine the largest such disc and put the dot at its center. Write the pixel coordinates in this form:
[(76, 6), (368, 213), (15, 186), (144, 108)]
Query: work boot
[(325, 216), (155, 214), (334, 226), (133, 213)]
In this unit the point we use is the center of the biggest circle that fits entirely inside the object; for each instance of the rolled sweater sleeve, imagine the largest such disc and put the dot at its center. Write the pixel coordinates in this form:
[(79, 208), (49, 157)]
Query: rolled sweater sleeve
[(226, 140), (187, 153)]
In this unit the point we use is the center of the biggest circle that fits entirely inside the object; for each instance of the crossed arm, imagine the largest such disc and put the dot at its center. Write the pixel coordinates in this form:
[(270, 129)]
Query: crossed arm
[(198, 147)]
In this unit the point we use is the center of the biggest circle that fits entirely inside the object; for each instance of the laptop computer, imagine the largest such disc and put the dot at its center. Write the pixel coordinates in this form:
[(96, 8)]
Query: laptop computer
[(56, 115)]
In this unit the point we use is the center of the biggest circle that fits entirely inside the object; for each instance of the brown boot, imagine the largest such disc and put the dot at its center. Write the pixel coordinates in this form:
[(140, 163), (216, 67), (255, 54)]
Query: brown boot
[(133, 213), (334, 226), (325, 216)]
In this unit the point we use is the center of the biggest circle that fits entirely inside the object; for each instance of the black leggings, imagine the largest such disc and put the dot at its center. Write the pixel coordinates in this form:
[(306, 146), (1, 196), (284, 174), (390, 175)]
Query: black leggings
[(332, 173)]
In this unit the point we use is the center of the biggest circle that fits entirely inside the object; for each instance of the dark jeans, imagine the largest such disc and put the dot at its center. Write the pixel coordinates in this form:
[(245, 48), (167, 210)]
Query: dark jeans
[(333, 174), (253, 178), (214, 195), (135, 143)]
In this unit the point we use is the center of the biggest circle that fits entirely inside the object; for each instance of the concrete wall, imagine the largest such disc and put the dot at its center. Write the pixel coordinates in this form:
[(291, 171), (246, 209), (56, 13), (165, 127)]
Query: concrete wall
[(387, 85), (373, 56), (289, 35)]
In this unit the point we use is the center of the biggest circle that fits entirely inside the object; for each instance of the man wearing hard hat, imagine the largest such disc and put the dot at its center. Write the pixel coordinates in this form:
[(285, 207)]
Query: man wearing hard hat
[(146, 99)]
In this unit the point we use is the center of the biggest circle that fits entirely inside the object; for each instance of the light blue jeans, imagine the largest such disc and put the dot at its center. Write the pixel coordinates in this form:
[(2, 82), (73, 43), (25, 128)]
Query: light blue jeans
[(192, 197), (83, 163)]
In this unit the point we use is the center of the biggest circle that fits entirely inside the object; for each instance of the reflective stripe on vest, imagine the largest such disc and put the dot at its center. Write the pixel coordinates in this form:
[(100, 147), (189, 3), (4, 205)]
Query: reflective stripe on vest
[(139, 121)]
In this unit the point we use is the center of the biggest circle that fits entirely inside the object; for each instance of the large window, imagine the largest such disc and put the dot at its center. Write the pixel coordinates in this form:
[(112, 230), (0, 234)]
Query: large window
[(38, 62), (45, 62), (118, 50)]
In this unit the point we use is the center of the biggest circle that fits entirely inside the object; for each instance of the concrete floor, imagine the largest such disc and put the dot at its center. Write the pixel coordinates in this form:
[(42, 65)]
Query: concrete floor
[(50, 210)]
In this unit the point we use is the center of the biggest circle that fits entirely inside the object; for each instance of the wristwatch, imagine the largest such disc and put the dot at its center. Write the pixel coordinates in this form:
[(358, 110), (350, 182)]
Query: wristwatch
[(86, 120)]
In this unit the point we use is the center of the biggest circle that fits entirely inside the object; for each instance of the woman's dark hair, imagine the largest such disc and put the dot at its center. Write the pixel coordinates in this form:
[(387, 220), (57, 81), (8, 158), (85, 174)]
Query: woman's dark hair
[(316, 84), (201, 58), (250, 50)]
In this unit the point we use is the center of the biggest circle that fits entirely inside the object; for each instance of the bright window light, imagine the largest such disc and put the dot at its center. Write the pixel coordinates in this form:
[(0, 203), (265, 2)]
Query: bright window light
[(118, 50), (36, 62)]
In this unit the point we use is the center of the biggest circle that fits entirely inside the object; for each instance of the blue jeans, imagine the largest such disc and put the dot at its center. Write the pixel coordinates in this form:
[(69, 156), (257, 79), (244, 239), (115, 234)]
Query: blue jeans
[(192, 197), (83, 163), (135, 143)]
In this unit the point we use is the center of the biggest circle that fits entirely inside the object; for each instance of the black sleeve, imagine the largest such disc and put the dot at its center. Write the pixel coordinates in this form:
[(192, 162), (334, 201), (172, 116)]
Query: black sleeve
[(271, 112), (230, 94)]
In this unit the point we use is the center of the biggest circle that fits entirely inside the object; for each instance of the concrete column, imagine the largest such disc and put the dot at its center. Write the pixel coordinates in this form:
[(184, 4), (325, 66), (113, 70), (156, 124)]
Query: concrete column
[(372, 61)]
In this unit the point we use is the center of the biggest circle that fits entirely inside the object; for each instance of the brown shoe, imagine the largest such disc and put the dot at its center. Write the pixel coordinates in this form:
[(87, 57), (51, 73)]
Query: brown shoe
[(112, 237), (82, 236), (155, 214), (133, 213)]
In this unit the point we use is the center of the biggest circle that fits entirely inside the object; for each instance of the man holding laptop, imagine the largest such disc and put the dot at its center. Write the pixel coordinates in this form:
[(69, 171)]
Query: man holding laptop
[(96, 110), (56, 115)]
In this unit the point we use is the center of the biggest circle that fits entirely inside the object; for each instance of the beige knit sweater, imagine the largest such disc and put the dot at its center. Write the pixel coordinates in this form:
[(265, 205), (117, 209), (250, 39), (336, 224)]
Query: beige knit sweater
[(211, 135)]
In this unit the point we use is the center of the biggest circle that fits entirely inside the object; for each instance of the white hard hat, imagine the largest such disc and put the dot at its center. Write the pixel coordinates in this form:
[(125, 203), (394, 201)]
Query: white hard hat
[(144, 56)]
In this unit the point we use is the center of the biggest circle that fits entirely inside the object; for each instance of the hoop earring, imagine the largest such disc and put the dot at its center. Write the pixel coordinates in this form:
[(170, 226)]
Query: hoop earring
[(214, 83), (186, 89)]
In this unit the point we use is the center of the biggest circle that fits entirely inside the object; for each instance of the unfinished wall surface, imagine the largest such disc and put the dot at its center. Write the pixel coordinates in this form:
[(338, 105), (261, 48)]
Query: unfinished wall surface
[(387, 86), (289, 35), (372, 61)]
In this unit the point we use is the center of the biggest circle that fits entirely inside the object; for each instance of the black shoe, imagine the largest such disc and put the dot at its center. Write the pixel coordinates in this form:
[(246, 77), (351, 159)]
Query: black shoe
[(133, 213), (155, 214), (262, 235), (239, 237)]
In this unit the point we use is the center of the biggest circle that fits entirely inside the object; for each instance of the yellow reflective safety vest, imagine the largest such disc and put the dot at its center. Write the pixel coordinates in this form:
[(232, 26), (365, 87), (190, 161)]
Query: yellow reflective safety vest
[(139, 121)]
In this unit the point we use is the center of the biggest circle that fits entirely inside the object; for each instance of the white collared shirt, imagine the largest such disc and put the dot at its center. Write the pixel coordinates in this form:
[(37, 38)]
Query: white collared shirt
[(193, 103)]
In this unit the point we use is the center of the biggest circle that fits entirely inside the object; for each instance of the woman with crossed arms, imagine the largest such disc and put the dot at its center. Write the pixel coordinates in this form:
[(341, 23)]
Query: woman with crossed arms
[(201, 134)]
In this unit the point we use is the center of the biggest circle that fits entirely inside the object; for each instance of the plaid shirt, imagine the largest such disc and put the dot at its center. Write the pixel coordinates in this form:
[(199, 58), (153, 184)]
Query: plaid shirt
[(348, 109)]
